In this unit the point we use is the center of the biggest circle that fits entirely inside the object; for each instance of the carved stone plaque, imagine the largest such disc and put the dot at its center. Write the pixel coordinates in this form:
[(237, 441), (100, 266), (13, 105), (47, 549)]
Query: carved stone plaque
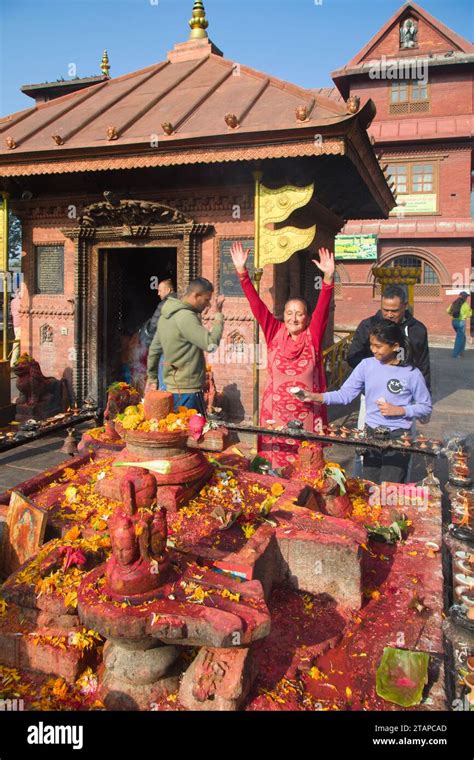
[(229, 284), (49, 269)]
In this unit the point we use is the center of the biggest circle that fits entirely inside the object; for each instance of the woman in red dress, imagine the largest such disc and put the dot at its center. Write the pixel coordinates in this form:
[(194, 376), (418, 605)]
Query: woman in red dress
[(294, 357)]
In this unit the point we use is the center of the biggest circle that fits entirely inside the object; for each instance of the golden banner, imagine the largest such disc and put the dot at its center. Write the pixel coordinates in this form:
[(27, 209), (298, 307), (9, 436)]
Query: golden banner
[(277, 205), (276, 246)]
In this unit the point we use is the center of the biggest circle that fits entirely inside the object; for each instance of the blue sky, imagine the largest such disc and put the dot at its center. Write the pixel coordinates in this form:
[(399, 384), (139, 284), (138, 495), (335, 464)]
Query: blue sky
[(301, 41)]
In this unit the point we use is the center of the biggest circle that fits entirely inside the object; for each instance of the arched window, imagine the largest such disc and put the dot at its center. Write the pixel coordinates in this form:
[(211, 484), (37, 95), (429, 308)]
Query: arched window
[(430, 286)]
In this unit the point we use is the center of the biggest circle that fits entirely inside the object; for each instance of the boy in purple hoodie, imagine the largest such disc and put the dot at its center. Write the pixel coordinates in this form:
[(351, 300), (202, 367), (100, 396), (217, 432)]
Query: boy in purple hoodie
[(395, 394)]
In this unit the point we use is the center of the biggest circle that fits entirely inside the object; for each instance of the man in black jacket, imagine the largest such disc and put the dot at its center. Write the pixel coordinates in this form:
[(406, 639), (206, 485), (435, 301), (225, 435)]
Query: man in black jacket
[(147, 332), (393, 309)]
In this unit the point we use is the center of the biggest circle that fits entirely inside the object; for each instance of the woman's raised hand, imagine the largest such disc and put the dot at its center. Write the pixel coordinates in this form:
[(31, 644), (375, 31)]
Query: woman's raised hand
[(326, 264), (239, 256)]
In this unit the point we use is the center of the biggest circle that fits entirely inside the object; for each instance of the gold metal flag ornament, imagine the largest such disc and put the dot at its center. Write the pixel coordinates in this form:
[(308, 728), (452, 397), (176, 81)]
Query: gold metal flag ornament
[(275, 246)]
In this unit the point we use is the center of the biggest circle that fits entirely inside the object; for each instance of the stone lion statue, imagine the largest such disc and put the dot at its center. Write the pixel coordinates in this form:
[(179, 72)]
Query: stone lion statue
[(48, 394)]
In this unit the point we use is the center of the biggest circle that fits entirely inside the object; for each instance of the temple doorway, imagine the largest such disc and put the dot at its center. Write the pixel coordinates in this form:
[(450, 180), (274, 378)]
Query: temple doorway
[(128, 297)]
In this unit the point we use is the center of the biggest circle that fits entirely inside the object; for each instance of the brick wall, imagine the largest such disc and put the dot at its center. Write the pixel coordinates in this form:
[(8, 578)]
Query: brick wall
[(429, 41), (358, 301), (450, 94), (56, 311)]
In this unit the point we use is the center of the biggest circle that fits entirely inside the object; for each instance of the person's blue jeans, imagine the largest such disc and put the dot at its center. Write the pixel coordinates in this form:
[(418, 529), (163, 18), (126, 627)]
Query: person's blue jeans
[(459, 327), (190, 401), (161, 380)]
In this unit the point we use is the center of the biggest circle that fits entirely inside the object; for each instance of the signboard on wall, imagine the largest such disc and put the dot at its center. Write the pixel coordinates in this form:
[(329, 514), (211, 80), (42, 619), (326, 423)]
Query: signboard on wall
[(50, 269), (356, 247), (229, 283), (415, 203)]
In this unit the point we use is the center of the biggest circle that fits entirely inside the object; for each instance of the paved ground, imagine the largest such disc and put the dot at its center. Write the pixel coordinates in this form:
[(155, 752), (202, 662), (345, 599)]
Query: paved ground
[(453, 395)]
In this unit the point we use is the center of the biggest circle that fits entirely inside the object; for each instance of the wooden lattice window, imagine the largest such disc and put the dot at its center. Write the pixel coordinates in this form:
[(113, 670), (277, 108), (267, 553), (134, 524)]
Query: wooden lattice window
[(409, 97)]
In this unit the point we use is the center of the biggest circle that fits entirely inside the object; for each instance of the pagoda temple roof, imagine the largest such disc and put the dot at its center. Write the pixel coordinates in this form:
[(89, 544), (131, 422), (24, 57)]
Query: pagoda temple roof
[(194, 107), (192, 96)]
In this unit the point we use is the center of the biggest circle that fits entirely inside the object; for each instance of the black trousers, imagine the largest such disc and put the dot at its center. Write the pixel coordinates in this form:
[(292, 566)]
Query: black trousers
[(389, 466)]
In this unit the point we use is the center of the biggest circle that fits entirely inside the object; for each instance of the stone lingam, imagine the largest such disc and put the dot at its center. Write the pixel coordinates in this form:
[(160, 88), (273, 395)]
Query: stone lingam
[(157, 438), (312, 467)]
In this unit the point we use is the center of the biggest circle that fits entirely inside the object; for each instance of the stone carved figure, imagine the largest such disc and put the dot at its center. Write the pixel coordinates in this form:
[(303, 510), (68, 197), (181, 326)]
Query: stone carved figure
[(46, 334), (210, 391), (36, 389), (139, 561), (129, 213), (212, 676), (408, 34)]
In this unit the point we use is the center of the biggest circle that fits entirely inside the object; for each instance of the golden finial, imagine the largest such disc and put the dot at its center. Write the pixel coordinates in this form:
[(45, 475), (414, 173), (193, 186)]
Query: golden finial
[(105, 65), (199, 22)]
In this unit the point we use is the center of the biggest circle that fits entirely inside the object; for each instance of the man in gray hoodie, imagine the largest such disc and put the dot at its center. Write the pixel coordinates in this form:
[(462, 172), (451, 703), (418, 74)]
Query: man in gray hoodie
[(182, 340)]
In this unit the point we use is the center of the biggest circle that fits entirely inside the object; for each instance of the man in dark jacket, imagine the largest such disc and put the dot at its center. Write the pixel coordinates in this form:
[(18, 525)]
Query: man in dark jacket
[(147, 332), (394, 309), (165, 291)]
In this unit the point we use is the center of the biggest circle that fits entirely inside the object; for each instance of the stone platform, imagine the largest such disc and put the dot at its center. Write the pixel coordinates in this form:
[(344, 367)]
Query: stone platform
[(355, 595)]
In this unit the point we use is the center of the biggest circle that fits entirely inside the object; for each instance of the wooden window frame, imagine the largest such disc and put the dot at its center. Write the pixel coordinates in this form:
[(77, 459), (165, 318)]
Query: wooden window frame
[(410, 163), (409, 84), (410, 103)]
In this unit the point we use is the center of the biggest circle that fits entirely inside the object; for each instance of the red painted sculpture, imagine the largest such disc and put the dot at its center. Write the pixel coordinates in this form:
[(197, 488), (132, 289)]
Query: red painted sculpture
[(119, 396), (137, 489), (139, 562)]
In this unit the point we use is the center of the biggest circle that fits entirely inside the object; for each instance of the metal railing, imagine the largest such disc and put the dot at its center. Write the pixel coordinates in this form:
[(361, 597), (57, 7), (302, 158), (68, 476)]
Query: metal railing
[(334, 359)]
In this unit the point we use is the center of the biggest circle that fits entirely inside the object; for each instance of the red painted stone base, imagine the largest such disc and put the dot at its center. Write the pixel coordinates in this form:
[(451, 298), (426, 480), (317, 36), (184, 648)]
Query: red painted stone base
[(218, 679), (102, 447), (171, 497), (21, 652), (213, 440)]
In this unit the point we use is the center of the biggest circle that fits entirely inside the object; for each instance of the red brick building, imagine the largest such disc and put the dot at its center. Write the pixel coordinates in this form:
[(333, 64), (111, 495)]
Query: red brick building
[(149, 175), (419, 75)]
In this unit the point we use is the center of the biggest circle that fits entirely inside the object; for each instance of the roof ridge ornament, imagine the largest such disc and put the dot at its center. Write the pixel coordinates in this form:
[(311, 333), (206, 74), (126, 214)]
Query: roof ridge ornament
[(105, 65), (198, 22)]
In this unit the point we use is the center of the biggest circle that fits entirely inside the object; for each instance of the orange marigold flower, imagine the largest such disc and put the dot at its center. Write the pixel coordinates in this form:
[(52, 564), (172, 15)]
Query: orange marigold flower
[(277, 489)]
